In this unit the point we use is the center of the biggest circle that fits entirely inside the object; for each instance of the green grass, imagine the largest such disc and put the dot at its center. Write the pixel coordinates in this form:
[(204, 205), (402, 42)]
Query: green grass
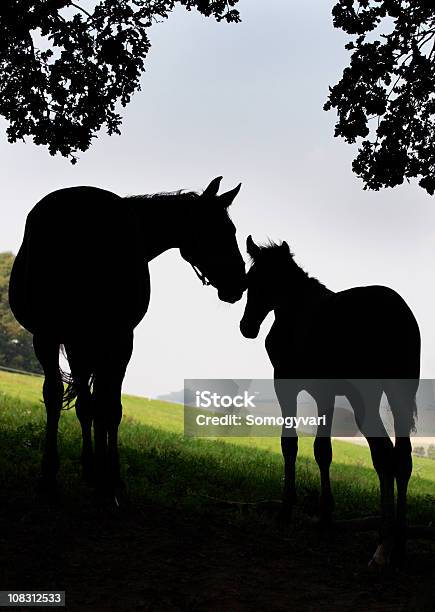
[(159, 463)]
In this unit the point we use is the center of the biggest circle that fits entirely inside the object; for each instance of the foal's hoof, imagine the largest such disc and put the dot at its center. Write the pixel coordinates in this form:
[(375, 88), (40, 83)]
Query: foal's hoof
[(398, 554), (326, 508), (111, 494), (381, 560)]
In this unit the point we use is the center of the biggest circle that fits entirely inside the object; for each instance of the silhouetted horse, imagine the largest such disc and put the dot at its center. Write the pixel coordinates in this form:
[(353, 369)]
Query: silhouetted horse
[(327, 343), (81, 280)]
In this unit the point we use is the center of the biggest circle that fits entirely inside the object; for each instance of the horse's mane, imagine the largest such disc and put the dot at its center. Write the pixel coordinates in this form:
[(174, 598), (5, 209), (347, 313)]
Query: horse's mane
[(271, 246), (180, 194)]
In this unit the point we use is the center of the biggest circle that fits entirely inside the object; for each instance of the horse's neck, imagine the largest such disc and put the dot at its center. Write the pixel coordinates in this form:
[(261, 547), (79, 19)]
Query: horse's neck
[(160, 222)]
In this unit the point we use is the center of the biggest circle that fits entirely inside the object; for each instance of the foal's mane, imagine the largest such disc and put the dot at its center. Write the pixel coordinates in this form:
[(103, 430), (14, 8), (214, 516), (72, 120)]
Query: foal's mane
[(270, 247)]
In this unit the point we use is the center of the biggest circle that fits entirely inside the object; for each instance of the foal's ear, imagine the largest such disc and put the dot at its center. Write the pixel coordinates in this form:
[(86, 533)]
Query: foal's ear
[(226, 199), (252, 248), (285, 247), (213, 188)]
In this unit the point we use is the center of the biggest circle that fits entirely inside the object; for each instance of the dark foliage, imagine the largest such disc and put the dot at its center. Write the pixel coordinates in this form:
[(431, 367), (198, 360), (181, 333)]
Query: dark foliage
[(65, 70), (386, 94), (16, 347)]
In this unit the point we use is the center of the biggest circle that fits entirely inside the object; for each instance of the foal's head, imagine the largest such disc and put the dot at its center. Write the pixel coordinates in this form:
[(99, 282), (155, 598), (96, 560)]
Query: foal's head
[(267, 281), (210, 245)]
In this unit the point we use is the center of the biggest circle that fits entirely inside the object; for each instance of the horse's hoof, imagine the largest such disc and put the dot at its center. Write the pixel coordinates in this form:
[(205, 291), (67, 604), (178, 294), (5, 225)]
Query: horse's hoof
[(88, 475), (284, 514), (47, 489), (325, 521)]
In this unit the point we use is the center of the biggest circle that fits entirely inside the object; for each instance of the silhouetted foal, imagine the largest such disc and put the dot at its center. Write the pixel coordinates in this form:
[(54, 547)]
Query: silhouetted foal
[(358, 343), (81, 280)]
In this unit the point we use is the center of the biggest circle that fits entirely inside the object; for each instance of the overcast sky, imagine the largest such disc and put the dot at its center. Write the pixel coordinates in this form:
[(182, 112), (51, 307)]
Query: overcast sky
[(243, 101)]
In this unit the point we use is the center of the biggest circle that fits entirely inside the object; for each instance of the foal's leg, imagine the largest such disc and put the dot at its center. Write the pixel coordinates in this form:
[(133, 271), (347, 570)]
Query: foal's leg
[(287, 397), (323, 454), (47, 353), (368, 419), (109, 374), (81, 370)]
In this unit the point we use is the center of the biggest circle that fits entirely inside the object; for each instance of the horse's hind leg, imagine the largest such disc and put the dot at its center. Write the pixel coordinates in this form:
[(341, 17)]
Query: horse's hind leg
[(402, 472), (366, 406), (47, 353), (323, 453), (81, 371), (401, 397), (109, 374)]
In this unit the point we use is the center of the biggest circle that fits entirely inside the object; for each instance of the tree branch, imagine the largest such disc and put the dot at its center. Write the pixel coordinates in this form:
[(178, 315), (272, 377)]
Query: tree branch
[(81, 9)]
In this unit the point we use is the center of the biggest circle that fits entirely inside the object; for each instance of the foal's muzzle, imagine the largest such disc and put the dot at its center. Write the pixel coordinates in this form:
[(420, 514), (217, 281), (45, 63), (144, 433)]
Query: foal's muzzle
[(249, 330)]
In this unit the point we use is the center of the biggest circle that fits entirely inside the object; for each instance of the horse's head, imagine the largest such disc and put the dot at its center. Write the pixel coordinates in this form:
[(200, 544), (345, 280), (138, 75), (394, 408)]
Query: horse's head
[(265, 283), (210, 245)]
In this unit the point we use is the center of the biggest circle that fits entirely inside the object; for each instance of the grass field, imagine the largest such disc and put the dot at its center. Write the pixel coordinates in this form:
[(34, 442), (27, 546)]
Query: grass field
[(173, 546), (158, 461)]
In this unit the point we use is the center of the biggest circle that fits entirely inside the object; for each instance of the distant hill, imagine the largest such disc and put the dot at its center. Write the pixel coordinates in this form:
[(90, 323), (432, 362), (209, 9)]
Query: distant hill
[(16, 347)]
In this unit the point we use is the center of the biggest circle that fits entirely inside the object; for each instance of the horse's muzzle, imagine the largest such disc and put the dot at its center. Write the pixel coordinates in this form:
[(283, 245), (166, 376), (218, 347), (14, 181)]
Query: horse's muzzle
[(230, 296)]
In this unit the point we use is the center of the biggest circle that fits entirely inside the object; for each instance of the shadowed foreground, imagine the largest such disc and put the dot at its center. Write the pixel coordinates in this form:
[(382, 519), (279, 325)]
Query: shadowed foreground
[(154, 558), (173, 547)]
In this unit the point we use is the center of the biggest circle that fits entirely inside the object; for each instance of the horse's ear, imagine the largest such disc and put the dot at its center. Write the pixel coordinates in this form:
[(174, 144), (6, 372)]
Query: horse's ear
[(252, 248), (285, 247), (226, 199), (213, 188)]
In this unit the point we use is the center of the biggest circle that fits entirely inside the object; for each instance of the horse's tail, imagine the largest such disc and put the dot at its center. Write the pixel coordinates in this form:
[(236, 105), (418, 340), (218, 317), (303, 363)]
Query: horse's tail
[(72, 384), (414, 415)]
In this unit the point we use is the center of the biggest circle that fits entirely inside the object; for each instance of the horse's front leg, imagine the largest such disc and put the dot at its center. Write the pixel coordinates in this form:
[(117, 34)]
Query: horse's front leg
[(323, 454), (109, 375), (107, 417), (84, 408), (287, 397), (289, 447), (47, 353)]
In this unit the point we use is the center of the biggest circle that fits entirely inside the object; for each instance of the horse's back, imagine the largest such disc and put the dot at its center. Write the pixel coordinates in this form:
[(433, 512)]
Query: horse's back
[(363, 332), (79, 263)]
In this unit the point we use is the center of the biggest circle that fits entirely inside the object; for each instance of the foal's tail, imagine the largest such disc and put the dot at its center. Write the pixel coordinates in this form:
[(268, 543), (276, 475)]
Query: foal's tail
[(401, 394), (73, 384)]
